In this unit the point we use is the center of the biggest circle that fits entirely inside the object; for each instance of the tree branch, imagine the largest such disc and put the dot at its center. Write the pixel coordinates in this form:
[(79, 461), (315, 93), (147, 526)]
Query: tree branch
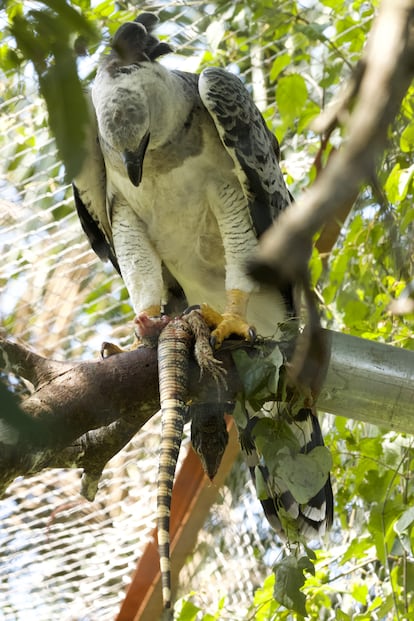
[(80, 414), (84, 415), (53, 426), (387, 69)]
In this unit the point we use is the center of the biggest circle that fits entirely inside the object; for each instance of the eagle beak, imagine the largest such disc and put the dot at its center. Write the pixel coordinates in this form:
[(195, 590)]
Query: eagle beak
[(134, 160)]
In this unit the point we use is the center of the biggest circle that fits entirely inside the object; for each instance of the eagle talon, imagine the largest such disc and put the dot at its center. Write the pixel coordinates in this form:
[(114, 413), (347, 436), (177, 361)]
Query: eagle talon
[(232, 325), (231, 322), (110, 349), (252, 335)]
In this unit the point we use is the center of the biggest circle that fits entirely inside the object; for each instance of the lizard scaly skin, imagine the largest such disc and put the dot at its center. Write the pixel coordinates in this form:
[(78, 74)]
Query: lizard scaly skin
[(175, 348)]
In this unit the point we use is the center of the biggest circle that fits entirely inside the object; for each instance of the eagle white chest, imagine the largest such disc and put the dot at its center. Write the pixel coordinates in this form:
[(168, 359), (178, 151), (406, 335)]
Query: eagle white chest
[(183, 187)]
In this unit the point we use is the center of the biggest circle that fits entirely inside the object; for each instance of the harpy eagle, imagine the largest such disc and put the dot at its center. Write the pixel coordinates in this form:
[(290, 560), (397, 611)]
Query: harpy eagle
[(182, 176)]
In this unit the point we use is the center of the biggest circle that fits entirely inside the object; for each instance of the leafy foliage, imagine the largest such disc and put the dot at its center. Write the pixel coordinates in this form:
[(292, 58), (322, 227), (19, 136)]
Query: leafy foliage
[(303, 474), (44, 37)]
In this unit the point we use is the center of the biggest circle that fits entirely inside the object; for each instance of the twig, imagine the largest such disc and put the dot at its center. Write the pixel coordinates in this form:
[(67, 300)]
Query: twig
[(388, 68)]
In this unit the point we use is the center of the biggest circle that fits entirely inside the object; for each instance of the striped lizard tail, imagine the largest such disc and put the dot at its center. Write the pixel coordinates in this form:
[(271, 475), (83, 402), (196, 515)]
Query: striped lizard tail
[(173, 354)]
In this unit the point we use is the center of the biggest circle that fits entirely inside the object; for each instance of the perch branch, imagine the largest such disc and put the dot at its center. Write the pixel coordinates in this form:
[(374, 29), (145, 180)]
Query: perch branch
[(80, 414)]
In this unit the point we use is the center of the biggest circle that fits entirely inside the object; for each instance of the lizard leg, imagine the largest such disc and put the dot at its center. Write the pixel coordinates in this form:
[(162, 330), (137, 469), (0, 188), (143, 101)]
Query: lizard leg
[(149, 324)]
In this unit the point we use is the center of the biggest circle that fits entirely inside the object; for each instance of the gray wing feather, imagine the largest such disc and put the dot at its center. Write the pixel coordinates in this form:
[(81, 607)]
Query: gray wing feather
[(89, 189), (253, 148)]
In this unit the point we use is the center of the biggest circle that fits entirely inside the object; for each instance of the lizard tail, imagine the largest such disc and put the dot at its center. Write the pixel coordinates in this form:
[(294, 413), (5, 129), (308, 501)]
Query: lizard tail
[(172, 429), (173, 346)]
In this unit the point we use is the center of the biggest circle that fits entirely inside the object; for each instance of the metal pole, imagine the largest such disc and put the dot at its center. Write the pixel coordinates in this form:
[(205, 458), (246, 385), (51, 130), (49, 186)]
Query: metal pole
[(369, 381)]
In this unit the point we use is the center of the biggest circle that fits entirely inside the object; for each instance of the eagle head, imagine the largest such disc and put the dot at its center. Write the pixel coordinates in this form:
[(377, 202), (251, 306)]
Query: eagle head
[(133, 42), (127, 81)]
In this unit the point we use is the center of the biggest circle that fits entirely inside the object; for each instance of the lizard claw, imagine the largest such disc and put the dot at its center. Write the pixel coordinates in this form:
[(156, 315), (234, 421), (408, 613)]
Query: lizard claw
[(189, 309), (148, 329)]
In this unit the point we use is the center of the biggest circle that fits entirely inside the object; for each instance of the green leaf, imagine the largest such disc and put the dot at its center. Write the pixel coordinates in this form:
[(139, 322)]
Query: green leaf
[(67, 109), (265, 592), (381, 522), (398, 183), (44, 37), (360, 593), (305, 474), (305, 563), (407, 138), (386, 606), (188, 611), (32, 46), (289, 579), (316, 266), (264, 601), (358, 549), (375, 483), (259, 375), (405, 521), (291, 97), (73, 20), (279, 64), (9, 58), (272, 436), (355, 310)]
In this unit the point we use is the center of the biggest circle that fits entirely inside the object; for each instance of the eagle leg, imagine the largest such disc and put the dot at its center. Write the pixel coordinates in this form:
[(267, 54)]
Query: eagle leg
[(232, 321)]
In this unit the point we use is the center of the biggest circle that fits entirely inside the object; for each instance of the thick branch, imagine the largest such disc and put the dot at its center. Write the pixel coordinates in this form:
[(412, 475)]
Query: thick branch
[(17, 359), (78, 397), (54, 426), (93, 450), (388, 69), (84, 416), (81, 415)]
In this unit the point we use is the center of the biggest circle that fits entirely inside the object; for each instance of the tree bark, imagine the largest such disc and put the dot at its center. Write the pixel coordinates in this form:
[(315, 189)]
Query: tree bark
[(80, 414)]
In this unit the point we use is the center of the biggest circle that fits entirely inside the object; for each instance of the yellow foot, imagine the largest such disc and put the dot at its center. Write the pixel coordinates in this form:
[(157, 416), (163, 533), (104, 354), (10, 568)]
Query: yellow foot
[(232, 321)]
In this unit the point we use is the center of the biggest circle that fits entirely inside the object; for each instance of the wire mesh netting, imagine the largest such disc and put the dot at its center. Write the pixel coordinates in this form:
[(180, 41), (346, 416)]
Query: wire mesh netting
[(60, 556)]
